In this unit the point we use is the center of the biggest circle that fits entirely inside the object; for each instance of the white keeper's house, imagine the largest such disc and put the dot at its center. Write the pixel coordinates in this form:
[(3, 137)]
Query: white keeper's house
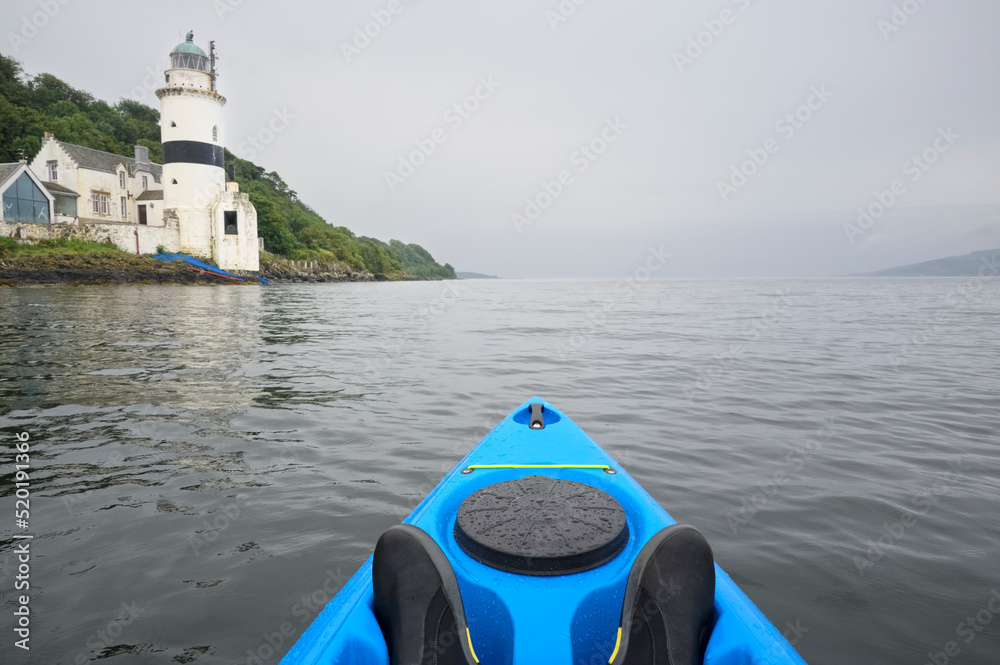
[(184, 205)]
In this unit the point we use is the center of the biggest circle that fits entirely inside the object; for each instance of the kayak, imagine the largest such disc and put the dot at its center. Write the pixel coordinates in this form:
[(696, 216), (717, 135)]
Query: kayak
[(539, 548)]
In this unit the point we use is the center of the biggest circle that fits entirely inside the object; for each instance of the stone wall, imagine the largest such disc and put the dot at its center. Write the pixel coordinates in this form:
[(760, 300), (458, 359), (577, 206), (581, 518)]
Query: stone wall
[(121, 235)]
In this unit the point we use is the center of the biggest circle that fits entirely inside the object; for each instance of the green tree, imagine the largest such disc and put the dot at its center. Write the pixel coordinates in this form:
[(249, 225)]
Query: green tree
[(272, 228)]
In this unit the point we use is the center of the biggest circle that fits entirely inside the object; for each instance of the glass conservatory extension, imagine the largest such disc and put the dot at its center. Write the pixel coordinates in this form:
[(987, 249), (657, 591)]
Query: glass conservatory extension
[(23, 201)]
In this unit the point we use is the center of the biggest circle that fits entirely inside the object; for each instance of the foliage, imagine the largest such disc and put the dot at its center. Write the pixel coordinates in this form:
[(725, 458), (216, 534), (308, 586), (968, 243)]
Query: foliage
[(31, 106), (415, 260), (292, 229)]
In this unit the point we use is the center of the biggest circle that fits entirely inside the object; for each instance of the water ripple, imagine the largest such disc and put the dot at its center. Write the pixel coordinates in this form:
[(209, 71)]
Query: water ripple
[(211, 456)]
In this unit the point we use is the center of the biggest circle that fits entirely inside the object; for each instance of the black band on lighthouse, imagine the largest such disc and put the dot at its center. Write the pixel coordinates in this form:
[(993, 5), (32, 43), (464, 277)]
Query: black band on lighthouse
[(193, 152)]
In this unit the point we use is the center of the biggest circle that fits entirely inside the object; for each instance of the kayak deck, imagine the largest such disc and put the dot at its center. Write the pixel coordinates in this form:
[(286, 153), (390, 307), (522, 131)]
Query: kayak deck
[(518, 619)]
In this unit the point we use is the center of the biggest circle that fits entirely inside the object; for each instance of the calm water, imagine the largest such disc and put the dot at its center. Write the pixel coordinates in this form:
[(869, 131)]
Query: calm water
[(206, 460)]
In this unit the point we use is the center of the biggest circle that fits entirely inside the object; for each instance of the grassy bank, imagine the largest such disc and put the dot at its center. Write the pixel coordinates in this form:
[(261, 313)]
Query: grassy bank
[(83, 262), (10, 248), (77, 261)]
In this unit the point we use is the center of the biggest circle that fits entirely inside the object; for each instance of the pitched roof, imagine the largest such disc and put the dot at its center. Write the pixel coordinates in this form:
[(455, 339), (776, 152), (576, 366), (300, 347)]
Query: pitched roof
[(7, 169), (57, 189), (98, 160), (150, 195)]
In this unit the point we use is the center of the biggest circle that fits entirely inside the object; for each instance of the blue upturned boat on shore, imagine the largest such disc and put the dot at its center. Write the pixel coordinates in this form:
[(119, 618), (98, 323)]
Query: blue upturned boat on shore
[(538, 548)]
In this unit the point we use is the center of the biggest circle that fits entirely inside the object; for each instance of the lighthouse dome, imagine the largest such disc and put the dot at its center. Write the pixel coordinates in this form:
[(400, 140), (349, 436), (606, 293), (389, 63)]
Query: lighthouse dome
[(188, 55)]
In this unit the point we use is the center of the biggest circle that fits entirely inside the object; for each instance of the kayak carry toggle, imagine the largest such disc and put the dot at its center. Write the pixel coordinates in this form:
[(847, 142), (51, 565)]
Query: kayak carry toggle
[(537, 421)]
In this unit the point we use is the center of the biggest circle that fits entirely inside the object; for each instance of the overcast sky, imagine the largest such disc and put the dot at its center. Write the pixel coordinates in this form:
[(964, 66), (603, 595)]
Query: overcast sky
[(672, 95)]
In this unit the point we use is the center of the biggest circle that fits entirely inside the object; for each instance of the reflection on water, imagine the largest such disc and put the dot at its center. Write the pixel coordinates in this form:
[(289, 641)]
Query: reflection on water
[(173, 347), (210, 463)]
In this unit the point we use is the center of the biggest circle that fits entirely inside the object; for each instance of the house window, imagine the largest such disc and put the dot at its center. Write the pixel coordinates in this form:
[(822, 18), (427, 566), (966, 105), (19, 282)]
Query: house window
[(124, 209), (173, 124), (101, 202), (174, 181), (142, 214), (215, 133), (145, 182), (121, 179), (53, 171), (230, 223)]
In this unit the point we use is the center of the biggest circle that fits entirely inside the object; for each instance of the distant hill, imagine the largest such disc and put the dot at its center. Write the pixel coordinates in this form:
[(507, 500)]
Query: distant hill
[(985, 263), (474, 275)]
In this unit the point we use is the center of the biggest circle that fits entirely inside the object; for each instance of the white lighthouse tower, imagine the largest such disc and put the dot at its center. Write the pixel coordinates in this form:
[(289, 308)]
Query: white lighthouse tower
[(214, 220)]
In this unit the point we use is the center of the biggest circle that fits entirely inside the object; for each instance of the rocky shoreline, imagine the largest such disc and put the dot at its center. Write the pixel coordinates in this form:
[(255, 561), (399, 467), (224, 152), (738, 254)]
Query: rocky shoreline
[(114, 268), (285, 271)]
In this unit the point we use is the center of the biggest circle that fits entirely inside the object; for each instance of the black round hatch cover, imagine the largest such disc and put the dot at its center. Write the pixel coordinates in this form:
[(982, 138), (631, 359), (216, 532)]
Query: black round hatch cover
[(541, 526)]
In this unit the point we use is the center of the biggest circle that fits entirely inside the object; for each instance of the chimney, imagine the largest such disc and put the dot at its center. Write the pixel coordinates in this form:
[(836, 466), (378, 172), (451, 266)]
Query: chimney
[(141, 155)]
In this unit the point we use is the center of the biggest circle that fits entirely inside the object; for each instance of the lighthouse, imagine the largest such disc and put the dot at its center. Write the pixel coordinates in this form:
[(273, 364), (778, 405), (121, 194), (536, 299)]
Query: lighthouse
[(214, 220)]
